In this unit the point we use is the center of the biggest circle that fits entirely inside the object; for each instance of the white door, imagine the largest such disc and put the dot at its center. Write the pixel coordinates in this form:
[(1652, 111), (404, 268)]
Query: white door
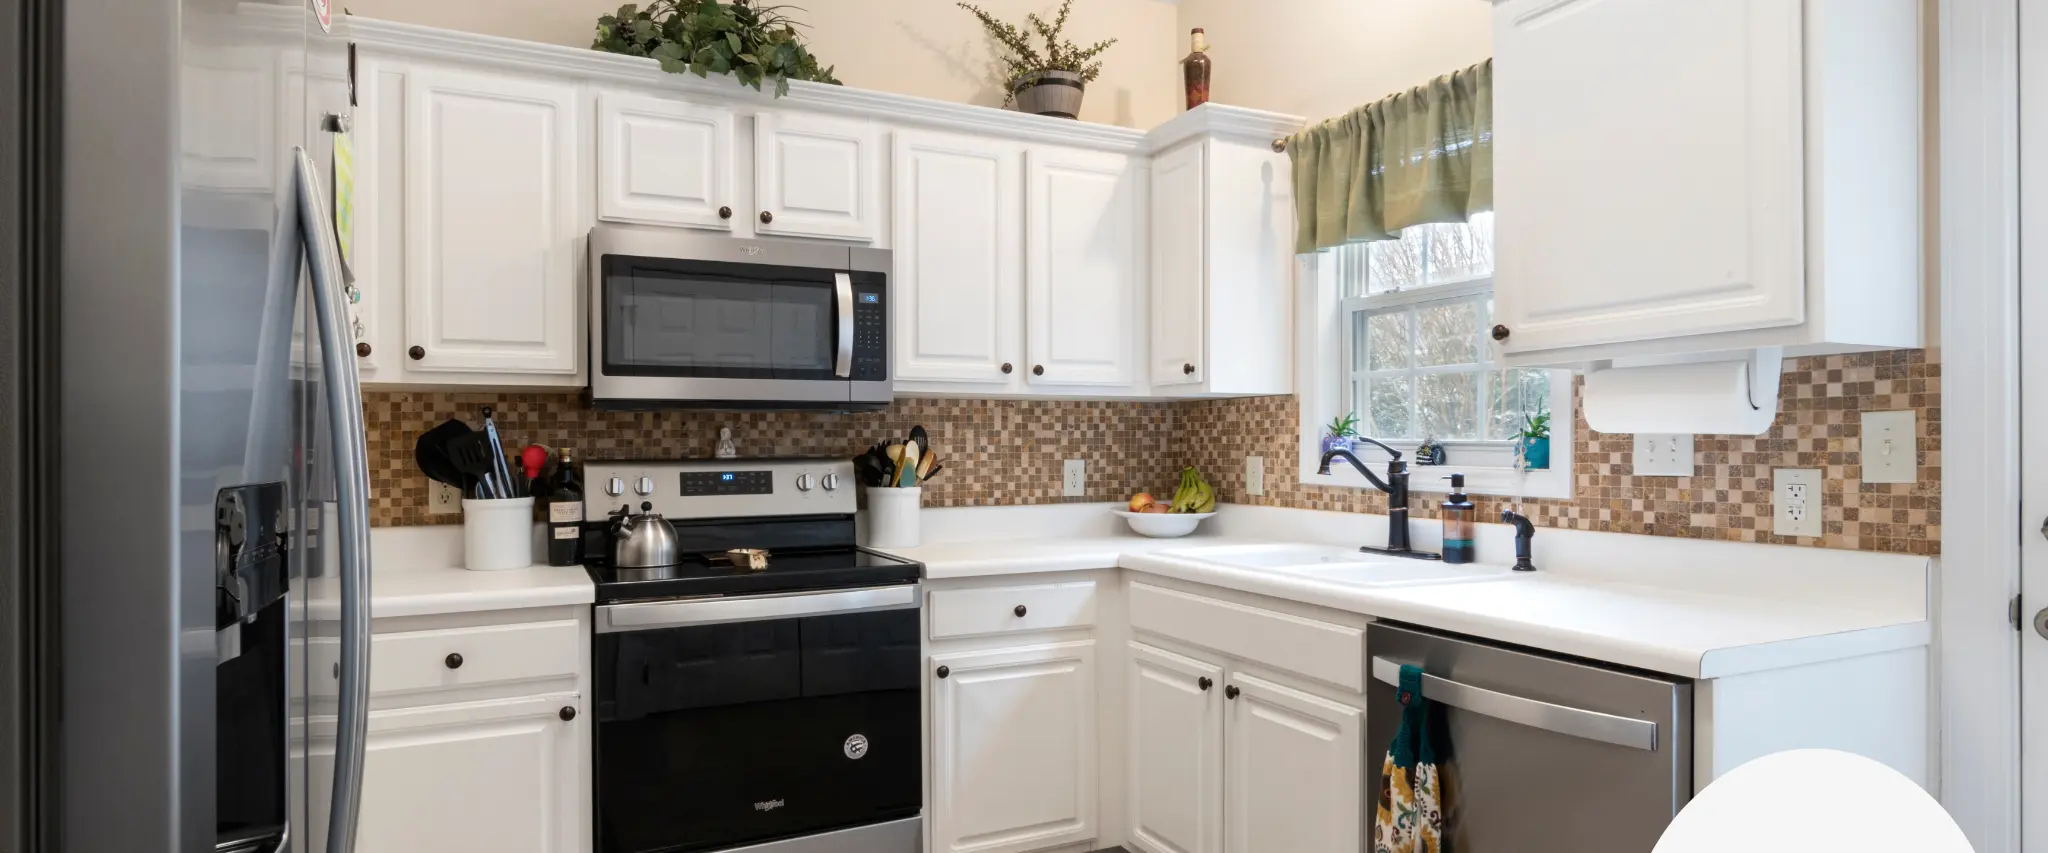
[(816, 176), (664, 162), (1180, 273), (1176, 752), (491, 223), (1294, 776), (1013, 748), (1647, 169), (1082, 263), (957, 245), (503, 776), (2032, 512)]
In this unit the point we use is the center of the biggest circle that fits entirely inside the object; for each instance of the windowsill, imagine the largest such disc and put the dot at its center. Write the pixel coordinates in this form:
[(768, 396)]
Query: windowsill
[(1428, 479)]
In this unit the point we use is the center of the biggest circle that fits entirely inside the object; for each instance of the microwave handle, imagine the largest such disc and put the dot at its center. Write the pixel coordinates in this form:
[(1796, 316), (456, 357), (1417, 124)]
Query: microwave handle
[(842, 284)]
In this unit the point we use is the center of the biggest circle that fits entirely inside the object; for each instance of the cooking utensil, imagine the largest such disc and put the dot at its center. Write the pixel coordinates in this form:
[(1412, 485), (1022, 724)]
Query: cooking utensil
[(471, 453), (643, 541), (872, 467), (907, 477), (922, 439), (926, 464), (534, 458), (499, 467), (935, 471), (430, 452), (751, 559), (895, 452)]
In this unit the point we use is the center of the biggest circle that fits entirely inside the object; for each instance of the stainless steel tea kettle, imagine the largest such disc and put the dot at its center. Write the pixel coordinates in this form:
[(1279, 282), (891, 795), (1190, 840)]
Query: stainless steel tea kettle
[(643, 541)]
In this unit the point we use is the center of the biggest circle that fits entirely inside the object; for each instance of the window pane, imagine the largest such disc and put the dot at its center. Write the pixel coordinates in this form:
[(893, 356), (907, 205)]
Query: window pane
[(1512, 396), (1388, 417), (1447, 334), (1397, 264), (1461, 251), (1386, 341), (1448, 404), (1354, 268)]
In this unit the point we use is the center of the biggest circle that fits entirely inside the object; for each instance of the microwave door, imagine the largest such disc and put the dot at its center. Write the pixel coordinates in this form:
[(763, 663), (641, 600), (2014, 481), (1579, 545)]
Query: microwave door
[(703, 332)]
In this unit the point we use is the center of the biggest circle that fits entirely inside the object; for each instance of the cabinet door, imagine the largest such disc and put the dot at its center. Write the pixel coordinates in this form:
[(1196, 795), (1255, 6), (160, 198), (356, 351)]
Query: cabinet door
[(816, 176), (1648, 169), (1294, 778), (1013, 749), (956, 243), (491, 223), (1176, 752), (662, 162), (505, 776), (1179, 267), (1082, 267)]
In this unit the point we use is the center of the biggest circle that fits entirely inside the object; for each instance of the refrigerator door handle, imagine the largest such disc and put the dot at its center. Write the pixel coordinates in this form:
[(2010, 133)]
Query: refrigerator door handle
[(352, 487), (1562, 719)]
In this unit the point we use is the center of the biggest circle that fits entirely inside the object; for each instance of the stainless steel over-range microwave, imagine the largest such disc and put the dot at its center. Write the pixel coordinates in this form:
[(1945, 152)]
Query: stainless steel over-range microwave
[(682, 320)]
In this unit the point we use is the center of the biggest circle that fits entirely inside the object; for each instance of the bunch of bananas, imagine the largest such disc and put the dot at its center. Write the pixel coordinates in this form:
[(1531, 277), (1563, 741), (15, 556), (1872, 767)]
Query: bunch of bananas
[(1195, 494)]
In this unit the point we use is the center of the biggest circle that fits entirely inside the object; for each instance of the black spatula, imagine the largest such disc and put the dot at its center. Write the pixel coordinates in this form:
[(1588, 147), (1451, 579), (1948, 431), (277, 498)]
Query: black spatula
[(431, 453)]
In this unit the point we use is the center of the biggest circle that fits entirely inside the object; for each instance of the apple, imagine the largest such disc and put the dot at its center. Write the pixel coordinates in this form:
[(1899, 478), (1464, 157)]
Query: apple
[(1140, 501), (1158, 507)]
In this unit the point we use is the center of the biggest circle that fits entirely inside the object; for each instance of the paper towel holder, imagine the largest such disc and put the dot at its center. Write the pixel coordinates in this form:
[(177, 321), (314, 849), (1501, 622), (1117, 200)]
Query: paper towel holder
[(1679, 393)]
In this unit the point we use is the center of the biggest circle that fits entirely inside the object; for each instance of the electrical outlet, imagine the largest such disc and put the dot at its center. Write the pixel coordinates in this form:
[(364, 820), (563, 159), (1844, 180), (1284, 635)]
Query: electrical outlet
[(1663, 455), (1076, 481), (1255, 475), (1795, 502), (443, 499), (1890, 452)]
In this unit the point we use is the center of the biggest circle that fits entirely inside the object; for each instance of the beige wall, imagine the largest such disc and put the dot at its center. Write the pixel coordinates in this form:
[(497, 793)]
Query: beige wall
[(1320, 58), (928, 48)]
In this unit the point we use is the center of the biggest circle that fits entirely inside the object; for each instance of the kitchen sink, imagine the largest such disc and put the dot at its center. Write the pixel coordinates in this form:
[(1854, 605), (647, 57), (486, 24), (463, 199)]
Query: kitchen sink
[(1336, 564)]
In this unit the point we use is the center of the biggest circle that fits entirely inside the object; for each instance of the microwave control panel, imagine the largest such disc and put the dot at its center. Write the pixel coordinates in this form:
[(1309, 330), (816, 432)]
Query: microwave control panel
[(870, 331)]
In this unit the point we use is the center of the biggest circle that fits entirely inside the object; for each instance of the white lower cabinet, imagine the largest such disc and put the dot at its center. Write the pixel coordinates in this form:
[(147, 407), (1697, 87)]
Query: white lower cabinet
[(1013, 748), (484, 776), (1294, 774), (1175, 737)]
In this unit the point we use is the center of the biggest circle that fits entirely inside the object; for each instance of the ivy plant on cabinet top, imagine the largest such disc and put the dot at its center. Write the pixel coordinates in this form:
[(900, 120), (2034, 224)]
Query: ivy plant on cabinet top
[(752, 43)]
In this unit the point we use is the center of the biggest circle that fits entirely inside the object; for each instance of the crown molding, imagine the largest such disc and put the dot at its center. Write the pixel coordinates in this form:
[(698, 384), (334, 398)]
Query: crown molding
[(1212, 120)]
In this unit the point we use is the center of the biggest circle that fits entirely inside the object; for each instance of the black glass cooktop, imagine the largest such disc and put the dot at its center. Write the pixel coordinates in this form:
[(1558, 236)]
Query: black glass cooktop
[(788, 571)]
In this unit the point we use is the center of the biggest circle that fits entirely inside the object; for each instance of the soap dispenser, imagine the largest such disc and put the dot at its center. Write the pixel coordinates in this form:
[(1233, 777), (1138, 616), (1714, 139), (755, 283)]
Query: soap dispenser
[(1460, 519)]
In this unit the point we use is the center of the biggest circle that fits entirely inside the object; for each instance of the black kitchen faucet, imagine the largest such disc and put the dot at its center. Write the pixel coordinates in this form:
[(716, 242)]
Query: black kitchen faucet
[(1396, 488)]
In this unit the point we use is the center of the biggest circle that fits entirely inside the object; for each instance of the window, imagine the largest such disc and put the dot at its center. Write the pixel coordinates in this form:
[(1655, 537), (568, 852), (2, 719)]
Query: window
[(1415, 358)]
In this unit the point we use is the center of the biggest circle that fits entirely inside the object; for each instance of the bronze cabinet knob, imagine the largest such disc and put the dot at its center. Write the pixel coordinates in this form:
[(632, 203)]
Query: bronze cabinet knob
[(1038, 370), (1007, 367), (1204, 683), (945, 671), (362, 350), (1230, 692), (1020, 611), (1188, 369), (724, 212), (568, 713), (417, 353), (454, 661), (767, 217), (1500, 333)]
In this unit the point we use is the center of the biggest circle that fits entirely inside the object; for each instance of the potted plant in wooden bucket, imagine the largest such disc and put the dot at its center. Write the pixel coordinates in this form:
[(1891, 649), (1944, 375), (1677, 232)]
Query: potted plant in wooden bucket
[(1049, 83)]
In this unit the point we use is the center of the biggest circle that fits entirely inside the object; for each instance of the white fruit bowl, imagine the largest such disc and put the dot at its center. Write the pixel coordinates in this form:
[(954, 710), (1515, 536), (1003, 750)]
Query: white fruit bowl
[(1163, 525)]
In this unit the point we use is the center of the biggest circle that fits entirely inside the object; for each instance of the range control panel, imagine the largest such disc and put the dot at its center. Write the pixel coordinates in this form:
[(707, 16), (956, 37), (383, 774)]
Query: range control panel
[(721, 488)]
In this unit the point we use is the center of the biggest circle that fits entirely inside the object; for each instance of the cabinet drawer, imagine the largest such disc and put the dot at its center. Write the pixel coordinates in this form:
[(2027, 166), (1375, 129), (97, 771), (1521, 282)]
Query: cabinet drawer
[(1334, 654), (419, 660), (1009, 609)]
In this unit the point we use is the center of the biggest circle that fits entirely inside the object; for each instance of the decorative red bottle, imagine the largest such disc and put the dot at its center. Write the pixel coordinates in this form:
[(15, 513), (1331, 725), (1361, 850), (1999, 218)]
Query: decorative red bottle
[(1195, 69)]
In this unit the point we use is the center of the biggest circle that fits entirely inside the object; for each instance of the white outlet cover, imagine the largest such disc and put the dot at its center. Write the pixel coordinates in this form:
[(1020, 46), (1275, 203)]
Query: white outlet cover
[(1255, 475), (1076, 480), (1890, 452), (443, 499), (1796, 502), (1660, 454)]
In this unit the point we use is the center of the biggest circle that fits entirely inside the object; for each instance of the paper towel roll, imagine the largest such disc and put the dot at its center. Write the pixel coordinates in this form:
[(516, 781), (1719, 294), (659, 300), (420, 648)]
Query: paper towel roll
[(1713, 398)]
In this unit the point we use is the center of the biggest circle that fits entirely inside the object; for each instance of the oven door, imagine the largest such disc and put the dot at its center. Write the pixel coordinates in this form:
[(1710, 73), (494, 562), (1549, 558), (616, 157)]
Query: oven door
[(732, 721)]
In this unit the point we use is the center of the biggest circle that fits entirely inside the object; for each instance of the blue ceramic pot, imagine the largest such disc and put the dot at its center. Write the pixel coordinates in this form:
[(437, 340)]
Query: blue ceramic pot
[(1335, 442), (1536, 452)]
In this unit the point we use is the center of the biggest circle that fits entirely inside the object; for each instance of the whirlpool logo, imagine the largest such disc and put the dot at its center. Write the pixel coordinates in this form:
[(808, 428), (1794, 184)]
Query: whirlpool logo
[(768, 805)]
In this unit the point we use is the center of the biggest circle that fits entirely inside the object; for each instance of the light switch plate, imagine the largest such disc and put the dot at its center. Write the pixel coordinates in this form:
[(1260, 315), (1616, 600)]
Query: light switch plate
[(1076, 480), (1660, 454), (1795, 501), (443, 499), (1891, 453), (1255, 475)]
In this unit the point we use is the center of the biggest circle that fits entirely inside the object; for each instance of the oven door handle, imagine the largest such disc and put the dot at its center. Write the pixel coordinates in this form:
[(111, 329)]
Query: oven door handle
[(654, 615), (842, 284)]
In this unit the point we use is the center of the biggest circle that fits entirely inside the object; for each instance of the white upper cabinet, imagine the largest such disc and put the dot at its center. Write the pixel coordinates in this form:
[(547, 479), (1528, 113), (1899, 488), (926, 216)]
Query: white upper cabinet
[(816, 176), (1179, 271), (1083, 267), (664, 162), (491, 187), (1682, 177), (1176, 752), (1013, 735), (957, 238), (1295, 776)]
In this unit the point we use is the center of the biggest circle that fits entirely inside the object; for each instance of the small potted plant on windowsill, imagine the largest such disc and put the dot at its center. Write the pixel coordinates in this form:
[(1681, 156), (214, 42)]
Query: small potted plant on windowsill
[(1340, 432), (1533, 443), (1048, 84)]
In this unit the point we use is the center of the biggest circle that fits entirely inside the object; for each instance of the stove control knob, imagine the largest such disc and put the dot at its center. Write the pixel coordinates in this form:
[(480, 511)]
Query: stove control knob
[(644, 487), (803, 482), (829, 481), (615, 486)]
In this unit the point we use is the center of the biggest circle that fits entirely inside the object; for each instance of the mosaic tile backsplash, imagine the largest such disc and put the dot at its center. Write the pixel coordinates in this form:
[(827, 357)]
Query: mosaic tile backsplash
[(1011, 452)]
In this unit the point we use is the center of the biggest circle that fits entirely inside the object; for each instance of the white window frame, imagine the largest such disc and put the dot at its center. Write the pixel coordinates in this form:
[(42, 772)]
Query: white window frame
[(1323, 366)]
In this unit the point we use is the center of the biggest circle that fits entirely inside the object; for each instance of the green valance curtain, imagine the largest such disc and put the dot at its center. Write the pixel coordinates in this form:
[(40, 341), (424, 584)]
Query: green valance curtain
[(1420, 156)]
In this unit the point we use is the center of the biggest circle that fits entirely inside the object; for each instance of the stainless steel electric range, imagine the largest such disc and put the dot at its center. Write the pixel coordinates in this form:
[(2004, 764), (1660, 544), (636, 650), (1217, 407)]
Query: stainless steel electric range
[(771, 709)]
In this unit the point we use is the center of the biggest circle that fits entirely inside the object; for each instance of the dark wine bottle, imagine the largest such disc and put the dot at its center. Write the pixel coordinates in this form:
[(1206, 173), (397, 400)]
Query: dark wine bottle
[(565, 515)]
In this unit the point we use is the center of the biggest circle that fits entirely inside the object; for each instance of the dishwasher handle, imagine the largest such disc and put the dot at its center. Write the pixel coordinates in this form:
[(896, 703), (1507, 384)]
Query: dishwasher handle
[(1562, 719)]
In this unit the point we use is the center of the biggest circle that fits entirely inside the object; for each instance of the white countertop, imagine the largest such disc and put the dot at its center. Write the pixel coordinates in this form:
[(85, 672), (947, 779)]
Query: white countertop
[(1685, 607), (417, 571)]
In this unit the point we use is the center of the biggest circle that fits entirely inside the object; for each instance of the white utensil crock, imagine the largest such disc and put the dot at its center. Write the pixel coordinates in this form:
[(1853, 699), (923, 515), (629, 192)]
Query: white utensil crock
[(497, 534), (892, 516)]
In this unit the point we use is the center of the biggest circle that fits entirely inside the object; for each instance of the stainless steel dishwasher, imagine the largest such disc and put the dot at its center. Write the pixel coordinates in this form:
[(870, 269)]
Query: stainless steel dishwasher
[(1547, 754)]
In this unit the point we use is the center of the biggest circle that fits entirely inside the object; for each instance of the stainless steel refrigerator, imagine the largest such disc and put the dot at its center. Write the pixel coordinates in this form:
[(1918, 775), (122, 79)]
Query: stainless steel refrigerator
[(206, 514)]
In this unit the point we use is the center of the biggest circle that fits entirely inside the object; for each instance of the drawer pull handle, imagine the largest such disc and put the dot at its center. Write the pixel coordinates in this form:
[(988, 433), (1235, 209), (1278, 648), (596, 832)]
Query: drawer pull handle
[(453, 660), (943, 672), (1204, 683), (568, 713), (1230, 692), (1020, 611)]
